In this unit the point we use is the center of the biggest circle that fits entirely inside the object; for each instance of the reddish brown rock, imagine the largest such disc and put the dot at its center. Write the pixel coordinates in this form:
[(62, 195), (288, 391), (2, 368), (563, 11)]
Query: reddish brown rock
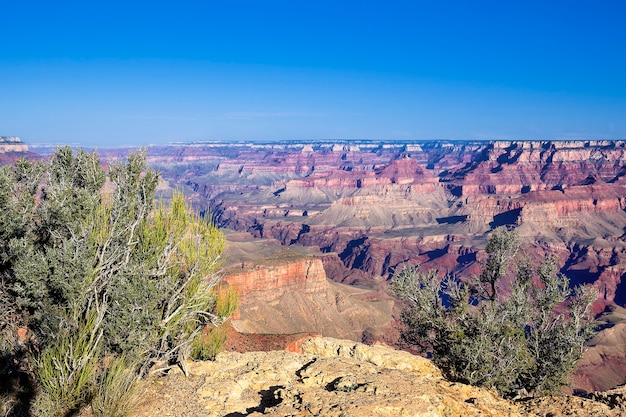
[(284, 273), (288, 293)]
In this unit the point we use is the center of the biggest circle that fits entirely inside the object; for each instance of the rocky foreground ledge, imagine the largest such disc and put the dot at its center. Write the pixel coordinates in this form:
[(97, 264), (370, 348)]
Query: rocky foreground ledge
[(333, 377)]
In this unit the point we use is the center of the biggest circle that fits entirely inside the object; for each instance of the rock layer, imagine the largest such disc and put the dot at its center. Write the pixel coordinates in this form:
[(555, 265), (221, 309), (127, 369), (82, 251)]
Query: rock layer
[(10, 144), (288, 293), (284, 273)]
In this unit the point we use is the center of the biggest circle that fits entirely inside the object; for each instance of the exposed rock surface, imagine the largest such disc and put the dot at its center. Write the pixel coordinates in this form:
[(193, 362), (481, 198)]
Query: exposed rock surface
[(331, 377), (603, 365), (12, 148), (270, 278), (288, 293), (358, 199), (12, 144)]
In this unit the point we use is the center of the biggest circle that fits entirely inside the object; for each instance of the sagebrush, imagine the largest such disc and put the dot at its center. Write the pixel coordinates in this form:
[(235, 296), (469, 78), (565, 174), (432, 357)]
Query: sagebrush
[(523, 337), (91, 267)]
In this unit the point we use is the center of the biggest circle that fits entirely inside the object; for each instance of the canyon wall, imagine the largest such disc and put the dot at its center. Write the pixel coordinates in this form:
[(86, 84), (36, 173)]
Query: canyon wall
[(271, 278), (288, 293), (378, 205), (12, 148), (12, 144)]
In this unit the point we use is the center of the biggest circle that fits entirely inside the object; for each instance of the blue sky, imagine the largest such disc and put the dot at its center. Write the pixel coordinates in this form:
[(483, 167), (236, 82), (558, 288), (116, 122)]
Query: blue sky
[(133, 73)]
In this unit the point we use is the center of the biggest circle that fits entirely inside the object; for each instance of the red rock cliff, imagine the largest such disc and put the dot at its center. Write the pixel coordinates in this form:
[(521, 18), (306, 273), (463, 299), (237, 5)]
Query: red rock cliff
[(274, 277)]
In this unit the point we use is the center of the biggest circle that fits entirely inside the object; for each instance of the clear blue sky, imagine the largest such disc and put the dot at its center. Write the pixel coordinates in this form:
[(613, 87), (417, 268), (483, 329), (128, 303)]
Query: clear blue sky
[(111, 73)]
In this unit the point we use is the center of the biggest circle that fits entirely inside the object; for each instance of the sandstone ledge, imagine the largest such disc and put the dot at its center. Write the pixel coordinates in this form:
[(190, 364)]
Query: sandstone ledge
[(329, 378)]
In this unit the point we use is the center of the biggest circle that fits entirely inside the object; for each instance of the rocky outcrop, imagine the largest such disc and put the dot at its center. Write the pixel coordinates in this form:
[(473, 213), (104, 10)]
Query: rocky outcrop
[(603, 365), (271, 278), (518, 167), (11, 144), (289, 293), (12, 148), (330, 377)]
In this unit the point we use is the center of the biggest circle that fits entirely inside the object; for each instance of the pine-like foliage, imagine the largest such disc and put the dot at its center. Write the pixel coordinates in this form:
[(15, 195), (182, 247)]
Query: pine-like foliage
[(528, 339)]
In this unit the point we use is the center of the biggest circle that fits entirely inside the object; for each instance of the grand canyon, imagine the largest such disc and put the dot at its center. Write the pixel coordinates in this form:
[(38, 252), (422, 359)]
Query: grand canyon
[(333, 212), (316, 229)]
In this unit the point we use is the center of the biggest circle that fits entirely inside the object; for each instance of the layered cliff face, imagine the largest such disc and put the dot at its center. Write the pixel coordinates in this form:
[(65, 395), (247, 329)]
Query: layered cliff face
[(603, 365), (519, 167), (12, 148), (562, 193), (12, 144), (379, 205), (269, 279), (288, 293)]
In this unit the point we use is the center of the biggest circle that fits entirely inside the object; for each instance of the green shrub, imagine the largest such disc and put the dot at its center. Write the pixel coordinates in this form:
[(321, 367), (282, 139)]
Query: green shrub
[(527, 339), (226, 301), (210, 340), (43, 405), (93, 269), (118, 389), (67, 368)]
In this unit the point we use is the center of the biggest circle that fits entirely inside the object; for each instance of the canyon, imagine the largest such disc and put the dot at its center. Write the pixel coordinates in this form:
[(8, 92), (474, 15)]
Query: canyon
[(12, 148), (378, 206), (367, 208), (12, 144), (288, 292), (316, 229)]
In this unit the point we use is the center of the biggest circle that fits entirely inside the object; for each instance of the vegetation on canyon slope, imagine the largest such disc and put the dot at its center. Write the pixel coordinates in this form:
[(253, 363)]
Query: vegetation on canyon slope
[(526, 337), (98, 286)]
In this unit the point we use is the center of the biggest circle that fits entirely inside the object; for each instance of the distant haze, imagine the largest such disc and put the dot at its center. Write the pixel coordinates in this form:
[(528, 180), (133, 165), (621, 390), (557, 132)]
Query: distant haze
[(118, 73)]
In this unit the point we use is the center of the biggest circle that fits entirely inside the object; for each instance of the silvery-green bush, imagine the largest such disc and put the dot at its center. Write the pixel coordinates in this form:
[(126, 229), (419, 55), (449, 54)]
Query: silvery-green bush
[(91, 268), (525, 339)]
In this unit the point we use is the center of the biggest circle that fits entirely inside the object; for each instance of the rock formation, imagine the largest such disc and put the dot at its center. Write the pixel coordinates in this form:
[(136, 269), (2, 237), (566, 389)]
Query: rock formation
[(283, 273), (604, 363), (12, 148), (332, 197), (331, 377), (289, 293), (12, 144)]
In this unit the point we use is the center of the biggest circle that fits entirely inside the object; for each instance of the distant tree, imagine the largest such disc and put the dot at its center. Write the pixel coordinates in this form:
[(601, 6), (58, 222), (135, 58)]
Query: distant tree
[(527, 339), (89, 268)]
